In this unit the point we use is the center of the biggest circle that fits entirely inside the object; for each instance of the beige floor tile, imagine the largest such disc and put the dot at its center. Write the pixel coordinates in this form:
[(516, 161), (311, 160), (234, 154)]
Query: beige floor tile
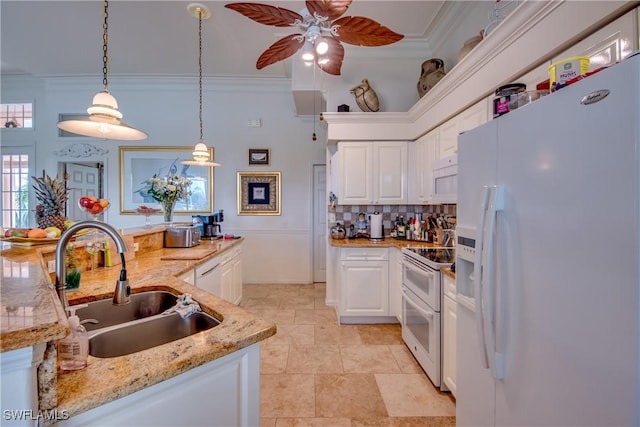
[(257, 291), (279, 317), (337, 334), (381, 334), (313, 422), (269, 302), (404, 422), (368, 359), (314, 359), (408, 364), (287, 395), (294, 335), (268, 422), (413, 395), (320, 303), (315, 317), (297, 302), (348, 395), (273, 358)]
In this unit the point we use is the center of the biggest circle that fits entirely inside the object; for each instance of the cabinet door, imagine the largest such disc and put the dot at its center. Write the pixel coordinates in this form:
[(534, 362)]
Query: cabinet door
[(228, 286), (364, 288), (395, 283), (208, 277), (425, 154), (356, 162), (448, 139), (390, 172), (472, 117), (237, 278), (449, 343)]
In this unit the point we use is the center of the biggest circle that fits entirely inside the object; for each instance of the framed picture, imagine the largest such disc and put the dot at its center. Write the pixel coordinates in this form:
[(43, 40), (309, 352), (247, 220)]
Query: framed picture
[(259, 156), (138, 164), (258, 193)]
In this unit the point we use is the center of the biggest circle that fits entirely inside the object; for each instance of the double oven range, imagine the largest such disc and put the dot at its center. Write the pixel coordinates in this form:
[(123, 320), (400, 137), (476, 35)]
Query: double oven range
[(421, 305)]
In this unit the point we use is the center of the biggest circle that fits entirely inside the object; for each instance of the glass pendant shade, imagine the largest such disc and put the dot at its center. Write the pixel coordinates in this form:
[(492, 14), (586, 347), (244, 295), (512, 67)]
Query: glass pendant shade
[(103, 121), (322, 46), (200, 151), (104, 116)]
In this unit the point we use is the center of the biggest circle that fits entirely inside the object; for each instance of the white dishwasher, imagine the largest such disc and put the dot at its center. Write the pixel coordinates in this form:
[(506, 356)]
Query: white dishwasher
[(209, 276)]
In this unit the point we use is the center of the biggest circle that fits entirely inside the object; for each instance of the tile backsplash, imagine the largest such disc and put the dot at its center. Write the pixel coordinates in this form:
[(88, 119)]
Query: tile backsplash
[(348, 214)]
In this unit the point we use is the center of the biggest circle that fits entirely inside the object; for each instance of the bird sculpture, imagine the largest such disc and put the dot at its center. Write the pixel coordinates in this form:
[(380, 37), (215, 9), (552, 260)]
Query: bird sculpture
[(366, 97)]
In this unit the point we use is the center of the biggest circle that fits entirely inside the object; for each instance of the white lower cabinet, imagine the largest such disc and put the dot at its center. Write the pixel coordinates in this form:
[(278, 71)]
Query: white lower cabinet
[(222, 275), (395, 283), (364, 285), (449, 322), (223, 392)]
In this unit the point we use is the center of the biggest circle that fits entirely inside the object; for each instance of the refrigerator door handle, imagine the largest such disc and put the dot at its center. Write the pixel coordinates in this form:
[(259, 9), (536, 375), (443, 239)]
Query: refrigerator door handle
[(496, 360), (477, 277)]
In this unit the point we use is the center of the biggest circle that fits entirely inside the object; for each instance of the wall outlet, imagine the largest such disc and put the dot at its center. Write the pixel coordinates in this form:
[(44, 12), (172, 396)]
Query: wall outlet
[(136, 246), (51, 266)]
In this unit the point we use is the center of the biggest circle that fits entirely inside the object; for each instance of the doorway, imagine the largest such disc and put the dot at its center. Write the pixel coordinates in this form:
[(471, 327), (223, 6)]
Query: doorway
[(319, 223), (83, 179)]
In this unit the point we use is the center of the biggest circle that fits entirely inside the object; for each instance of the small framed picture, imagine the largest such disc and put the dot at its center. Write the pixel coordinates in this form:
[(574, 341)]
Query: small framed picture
[(259, 156)]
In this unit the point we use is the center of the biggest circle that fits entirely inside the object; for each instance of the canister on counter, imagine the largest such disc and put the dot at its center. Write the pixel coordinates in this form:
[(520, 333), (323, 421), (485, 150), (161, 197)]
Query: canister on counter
[(504, 96)]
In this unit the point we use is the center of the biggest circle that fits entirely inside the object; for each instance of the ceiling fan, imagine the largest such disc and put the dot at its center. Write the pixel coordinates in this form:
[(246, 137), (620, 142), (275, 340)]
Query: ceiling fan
[(322, 31)]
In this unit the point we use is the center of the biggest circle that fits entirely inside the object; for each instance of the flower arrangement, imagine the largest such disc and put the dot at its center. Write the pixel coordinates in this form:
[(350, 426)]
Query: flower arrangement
[(168, 190)]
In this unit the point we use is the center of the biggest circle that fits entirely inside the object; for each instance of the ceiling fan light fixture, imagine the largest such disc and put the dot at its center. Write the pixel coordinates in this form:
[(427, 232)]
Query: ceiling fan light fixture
[(104, 116), (322, 46), (307, 51)]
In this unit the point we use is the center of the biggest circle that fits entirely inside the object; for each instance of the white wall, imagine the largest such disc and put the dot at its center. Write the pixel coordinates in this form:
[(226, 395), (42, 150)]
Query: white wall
[(167, 109)]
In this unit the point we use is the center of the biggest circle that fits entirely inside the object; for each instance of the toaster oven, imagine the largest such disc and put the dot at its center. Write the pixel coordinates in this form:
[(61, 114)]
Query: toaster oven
[(180, 236)]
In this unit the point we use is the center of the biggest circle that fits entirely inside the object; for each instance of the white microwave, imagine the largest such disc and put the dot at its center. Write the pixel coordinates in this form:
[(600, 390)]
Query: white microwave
[(444, 180)]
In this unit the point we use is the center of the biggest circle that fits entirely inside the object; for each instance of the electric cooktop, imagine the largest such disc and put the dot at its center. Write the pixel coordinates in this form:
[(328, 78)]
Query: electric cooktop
[(435, 257)]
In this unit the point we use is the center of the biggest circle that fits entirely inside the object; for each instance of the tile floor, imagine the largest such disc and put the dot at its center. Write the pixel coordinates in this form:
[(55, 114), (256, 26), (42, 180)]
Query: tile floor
[(317, 373)]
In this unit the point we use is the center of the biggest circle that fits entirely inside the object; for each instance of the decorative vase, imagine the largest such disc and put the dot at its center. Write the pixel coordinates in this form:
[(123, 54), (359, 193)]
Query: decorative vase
[(168, 211)]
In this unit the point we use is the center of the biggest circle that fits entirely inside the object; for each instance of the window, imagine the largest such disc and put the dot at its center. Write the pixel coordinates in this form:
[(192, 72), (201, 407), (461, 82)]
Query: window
[(15, 191), (17, 115)]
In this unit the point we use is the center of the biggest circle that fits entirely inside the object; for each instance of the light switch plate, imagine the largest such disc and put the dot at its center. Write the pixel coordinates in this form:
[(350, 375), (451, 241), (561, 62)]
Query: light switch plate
[(136, 246), (51, 266), (332, 217)]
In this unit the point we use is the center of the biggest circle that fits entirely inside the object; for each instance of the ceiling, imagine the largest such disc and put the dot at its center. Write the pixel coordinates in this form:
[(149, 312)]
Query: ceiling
[(63, 38)]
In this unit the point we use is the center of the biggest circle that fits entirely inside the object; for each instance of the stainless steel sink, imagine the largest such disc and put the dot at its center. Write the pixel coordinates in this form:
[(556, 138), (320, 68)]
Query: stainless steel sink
[(142, 305), (146, 333)]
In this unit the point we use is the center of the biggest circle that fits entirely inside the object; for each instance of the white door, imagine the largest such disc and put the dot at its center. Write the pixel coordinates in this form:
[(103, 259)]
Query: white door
[(319, 223), (83, 180)]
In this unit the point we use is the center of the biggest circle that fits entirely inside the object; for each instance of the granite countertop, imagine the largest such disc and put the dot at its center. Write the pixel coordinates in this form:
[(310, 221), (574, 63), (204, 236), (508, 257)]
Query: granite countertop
[(41, 319), (387, 242)]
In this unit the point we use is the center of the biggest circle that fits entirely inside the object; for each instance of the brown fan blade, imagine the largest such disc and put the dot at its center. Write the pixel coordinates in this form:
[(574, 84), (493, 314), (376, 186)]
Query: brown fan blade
[(282, 49), (361, 31), (330, 8), (266, 14), (335, 54)]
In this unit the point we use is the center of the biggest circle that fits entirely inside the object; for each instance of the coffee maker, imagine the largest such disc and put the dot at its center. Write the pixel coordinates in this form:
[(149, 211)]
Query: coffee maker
[(210, 224)]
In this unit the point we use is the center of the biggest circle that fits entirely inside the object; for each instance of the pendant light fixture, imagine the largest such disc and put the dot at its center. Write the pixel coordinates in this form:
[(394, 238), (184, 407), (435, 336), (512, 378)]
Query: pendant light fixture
[(104, 117), (200, 152)]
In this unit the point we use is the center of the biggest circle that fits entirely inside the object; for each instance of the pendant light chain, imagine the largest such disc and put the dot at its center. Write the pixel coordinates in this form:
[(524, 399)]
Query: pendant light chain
[(200, 67), (105, 43)]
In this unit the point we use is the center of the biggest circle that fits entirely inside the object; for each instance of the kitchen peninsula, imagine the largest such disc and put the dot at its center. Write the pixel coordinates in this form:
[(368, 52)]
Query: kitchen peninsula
[(215, 372)]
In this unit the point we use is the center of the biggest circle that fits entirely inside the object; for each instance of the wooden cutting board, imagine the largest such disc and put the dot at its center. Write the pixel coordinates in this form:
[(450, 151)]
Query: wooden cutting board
[(188, 253)]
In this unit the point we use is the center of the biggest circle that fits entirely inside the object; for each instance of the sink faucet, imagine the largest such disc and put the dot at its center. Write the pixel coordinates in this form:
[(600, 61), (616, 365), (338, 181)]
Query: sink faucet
[(122, 293)]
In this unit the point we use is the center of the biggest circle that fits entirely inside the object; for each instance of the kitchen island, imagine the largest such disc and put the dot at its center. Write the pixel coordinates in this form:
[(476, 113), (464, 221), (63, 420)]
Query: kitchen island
[(111, 380)]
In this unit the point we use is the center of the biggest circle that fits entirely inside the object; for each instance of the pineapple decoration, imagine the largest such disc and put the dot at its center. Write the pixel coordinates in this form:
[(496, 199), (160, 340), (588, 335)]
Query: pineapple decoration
[(52, 195)]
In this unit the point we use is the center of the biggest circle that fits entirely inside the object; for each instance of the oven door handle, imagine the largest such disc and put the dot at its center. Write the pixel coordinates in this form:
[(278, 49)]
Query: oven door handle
[(422, 311)]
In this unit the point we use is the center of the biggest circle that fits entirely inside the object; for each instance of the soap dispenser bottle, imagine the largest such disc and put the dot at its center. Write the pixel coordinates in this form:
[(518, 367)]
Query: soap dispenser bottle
[(73, 350)]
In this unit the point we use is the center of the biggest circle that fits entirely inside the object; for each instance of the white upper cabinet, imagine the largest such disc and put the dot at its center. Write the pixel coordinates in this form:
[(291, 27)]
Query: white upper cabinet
[(423, 153), (372, 172), (608, 45)]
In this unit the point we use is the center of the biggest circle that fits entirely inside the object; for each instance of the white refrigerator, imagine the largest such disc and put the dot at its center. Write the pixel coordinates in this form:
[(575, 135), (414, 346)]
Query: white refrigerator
[(548, 259)]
